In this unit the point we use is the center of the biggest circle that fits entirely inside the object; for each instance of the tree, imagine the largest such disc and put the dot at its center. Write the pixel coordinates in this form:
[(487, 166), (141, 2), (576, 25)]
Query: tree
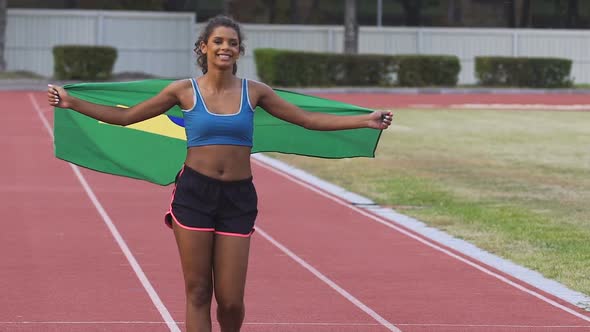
[(179, 5), (454, 13), (313, 8), (227, 7), (351, 31), (413, 12), (519, 13), (572, 18), (271, 5), (72, 4), (2, 33), (295, 17)]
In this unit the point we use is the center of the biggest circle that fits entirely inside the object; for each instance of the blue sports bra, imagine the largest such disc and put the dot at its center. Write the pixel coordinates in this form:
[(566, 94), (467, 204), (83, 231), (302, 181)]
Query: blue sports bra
[(206, 128)]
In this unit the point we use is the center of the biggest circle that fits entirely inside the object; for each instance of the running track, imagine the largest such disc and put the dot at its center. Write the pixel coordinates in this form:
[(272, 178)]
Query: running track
[(85, 251)]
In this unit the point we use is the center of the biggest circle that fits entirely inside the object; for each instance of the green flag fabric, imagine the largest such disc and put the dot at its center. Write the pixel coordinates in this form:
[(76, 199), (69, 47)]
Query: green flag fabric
[(154, 150)]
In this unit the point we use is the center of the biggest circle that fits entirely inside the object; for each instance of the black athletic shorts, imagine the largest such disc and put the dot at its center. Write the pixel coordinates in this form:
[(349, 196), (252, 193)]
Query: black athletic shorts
[(202, 203)]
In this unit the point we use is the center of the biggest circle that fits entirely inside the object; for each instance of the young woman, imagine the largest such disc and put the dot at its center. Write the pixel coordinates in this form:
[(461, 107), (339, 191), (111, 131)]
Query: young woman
[(214, 202)]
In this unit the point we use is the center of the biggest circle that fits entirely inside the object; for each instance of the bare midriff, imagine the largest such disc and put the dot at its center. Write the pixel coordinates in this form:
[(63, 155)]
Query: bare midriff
[(222, 162)]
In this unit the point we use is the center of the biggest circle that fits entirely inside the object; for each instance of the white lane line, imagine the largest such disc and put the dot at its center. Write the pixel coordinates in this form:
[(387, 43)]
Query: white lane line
[(521, 273), (487, 326), (85, 322), (329, 282), (533, 107), (262, 161), (118, 238)]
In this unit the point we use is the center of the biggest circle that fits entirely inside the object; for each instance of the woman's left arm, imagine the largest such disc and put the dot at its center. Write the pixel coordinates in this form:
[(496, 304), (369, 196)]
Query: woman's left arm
[(276, 106)]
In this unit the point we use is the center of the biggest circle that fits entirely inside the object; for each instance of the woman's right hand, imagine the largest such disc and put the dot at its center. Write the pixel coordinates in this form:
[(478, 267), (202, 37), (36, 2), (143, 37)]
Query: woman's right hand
[(57, 96)]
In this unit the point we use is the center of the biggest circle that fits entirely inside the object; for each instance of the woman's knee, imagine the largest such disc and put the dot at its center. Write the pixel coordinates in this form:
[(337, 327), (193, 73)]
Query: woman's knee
[(231, 308), (199, 293)]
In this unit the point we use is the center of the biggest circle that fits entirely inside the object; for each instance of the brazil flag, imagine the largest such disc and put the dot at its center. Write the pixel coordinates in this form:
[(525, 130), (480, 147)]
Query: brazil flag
[(154, 150)]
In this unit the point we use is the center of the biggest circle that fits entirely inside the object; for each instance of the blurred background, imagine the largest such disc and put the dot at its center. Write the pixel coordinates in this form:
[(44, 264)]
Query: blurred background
[(155, 38), (544, 14)]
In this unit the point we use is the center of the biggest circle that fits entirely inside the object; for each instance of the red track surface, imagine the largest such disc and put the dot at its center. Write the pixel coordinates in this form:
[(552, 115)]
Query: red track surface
[(63, 271)]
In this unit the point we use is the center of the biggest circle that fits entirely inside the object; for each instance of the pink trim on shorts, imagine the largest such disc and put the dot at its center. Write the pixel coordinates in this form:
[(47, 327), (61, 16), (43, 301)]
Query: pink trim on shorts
[(172, 200), (190, 228), (235, 234), (195, 228)]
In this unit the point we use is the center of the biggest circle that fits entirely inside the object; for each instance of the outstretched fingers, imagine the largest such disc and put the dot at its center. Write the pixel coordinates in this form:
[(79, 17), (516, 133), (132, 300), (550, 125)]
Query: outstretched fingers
[(53, 95), (386, 119)]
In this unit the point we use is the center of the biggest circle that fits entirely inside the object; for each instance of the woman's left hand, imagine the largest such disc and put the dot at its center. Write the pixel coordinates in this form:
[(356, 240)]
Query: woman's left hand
[(380, 119)]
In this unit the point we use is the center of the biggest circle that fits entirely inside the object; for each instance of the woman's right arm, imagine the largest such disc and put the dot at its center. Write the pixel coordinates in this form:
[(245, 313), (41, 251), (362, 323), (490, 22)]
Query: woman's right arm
[(162, 102)]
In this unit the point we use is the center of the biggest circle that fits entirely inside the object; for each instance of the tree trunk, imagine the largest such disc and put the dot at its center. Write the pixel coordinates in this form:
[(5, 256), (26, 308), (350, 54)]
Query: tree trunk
[(522, 13), (351, 31), (572, 14), (72, 4), (526, 17), (312, 8), (272, 10), (509, 10), (295, 17), (558, 22), (466, 13), (195, 10), (517, 9), (453, 11), (227, 7), (2, 34), (519, 13), (175, 5), (413, 9)]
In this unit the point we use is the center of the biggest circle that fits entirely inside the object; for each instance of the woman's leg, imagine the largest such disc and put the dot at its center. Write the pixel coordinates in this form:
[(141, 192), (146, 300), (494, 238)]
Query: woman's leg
[(196, 257), (230, 264)]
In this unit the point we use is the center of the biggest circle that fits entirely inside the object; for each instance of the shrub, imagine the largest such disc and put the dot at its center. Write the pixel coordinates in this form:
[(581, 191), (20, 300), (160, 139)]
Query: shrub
[(293, 68), (83, 62), (425, 70), (523, 72)]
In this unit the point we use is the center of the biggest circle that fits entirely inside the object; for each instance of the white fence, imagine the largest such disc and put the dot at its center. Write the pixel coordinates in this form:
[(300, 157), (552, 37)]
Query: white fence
[(161, 43), (156, 43), (464, 43)]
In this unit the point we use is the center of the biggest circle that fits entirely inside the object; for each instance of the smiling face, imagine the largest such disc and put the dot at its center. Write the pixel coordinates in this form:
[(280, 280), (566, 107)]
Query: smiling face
[(222, 48)]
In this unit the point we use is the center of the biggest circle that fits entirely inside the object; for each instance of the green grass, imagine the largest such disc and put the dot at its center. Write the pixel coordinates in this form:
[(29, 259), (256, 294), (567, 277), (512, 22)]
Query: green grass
[(476, 86), (19, 74), (514, 183)]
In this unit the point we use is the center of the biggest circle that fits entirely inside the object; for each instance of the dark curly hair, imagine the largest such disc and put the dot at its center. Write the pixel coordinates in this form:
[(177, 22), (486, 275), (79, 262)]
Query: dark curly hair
[(217, 21)]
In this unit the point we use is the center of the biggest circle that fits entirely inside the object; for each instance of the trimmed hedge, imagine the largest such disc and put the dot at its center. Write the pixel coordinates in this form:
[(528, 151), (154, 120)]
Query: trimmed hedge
[(83, 62), (428, 70), (294, 68), (523, 72)]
